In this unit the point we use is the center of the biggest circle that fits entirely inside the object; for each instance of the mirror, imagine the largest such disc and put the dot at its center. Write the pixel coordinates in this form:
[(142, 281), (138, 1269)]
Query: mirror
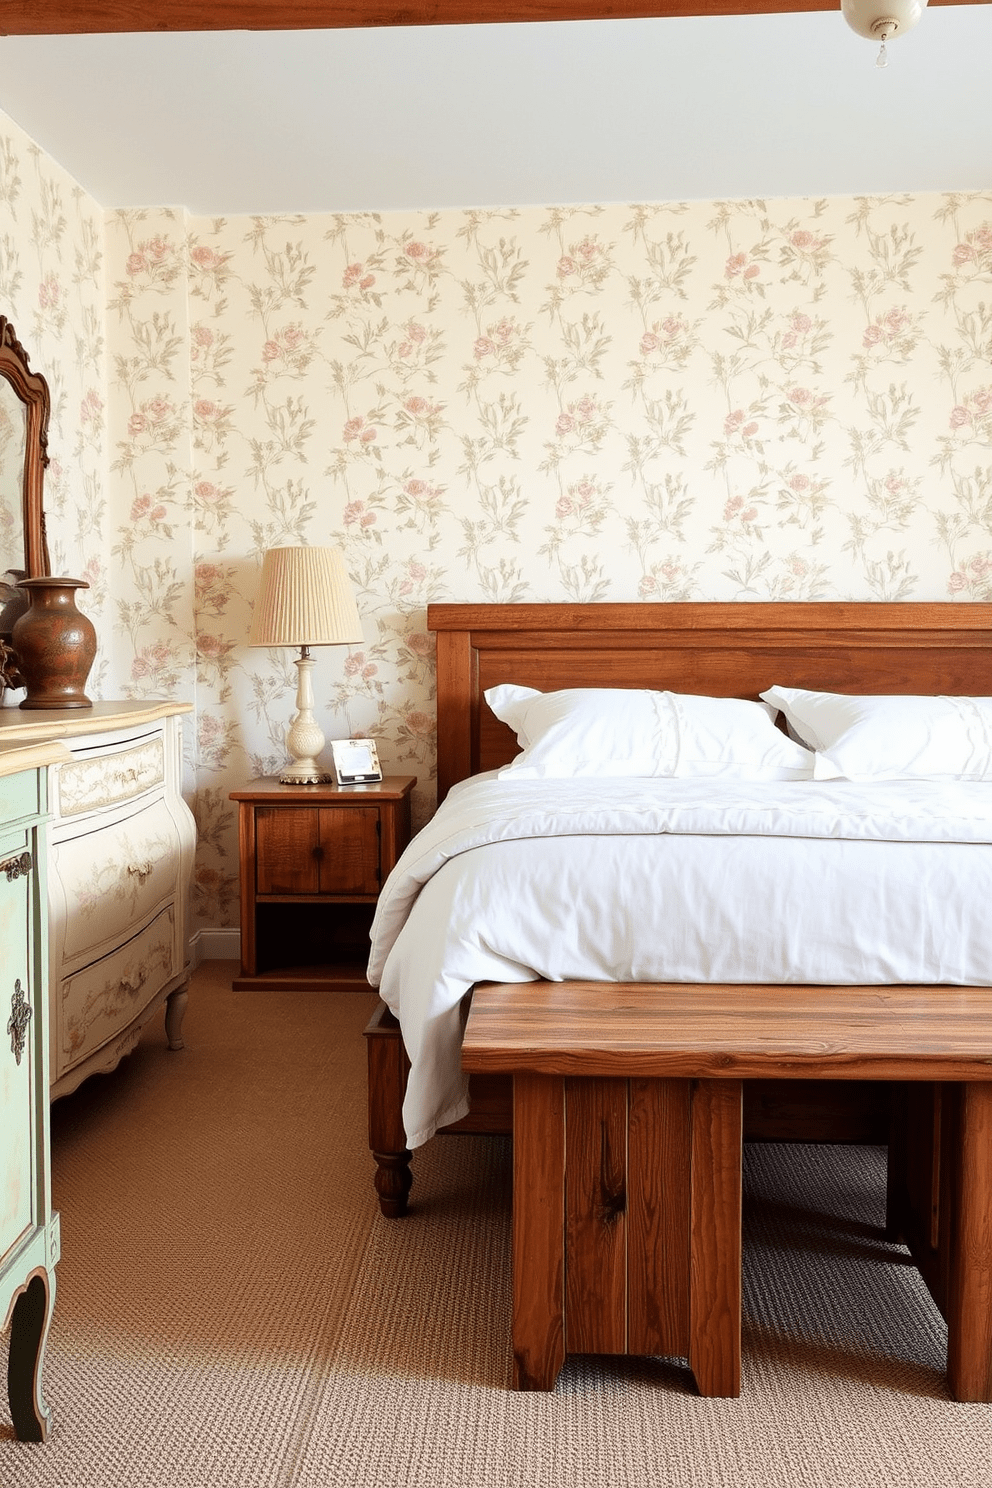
[(24, 412)]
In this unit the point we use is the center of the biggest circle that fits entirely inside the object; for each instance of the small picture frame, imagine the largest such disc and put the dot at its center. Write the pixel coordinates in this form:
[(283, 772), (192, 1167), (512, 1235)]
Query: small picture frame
[(356, 761)]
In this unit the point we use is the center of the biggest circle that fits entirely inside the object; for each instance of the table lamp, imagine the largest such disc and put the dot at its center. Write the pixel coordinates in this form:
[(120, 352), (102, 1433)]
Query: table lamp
[(305, 599)]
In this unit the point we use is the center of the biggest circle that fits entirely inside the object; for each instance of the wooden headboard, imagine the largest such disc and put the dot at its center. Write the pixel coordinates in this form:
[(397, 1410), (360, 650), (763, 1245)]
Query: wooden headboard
[(721, 650)]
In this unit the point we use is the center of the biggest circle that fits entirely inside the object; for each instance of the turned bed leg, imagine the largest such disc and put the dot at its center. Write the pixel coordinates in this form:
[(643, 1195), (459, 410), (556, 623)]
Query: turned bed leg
[(175, 1012), (388, 1066)]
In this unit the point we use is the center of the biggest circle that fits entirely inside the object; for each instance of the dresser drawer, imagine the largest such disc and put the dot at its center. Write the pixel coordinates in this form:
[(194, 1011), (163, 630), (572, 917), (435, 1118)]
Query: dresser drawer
[(19, 795), (109, 777), (103, 998), (113, 878)]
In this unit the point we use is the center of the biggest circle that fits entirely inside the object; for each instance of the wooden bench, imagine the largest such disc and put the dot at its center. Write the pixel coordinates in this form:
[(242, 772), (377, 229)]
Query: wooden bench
[(627, 1155)]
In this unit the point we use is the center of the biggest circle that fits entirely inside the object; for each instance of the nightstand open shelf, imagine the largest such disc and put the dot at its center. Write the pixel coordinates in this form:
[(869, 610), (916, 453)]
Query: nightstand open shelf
[(313, 859)]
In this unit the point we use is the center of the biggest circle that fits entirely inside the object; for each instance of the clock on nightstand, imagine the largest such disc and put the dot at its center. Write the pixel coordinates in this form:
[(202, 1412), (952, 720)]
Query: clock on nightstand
[(313, 859)]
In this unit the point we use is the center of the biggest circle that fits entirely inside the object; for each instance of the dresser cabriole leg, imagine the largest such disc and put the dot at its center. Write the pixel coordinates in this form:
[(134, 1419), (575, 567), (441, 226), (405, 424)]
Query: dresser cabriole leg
[(30, 1321)]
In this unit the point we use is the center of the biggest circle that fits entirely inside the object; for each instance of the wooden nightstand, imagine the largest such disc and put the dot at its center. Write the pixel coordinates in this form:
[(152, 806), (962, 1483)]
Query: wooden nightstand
[(313, 859)]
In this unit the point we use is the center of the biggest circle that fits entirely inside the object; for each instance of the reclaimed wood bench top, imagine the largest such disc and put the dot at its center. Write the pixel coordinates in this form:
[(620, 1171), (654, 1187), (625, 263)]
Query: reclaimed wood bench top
[(714, 1030)]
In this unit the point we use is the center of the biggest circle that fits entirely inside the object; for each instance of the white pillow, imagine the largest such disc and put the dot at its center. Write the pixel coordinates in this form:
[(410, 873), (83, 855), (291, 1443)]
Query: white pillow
[(629, 732), (890, 738)]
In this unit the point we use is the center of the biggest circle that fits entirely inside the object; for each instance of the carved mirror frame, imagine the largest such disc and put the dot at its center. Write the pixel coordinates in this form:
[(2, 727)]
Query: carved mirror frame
[(32, 390)]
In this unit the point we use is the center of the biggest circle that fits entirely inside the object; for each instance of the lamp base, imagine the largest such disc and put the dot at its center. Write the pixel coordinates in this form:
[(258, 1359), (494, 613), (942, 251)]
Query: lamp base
[(305, 739), (300, 775)]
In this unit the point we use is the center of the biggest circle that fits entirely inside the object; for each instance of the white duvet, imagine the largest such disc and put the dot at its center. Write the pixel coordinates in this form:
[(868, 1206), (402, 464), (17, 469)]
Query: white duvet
[(674, 880)]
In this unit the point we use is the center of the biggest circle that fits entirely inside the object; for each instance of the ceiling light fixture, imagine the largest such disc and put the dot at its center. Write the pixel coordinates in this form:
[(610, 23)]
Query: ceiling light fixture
[(880, 20)]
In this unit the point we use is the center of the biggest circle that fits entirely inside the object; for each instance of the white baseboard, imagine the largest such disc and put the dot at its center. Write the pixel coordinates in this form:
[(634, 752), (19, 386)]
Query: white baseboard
[(215, 945)]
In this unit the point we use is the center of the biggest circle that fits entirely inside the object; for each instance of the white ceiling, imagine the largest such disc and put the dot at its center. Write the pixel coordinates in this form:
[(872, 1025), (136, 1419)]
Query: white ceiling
[(459, 116)]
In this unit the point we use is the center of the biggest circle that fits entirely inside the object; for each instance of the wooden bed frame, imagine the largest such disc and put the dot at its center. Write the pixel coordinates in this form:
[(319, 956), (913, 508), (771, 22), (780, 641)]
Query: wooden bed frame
[(730, 650)]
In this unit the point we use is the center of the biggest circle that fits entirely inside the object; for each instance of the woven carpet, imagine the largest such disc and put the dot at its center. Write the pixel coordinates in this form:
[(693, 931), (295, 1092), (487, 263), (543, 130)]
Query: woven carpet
[(234, 1313)]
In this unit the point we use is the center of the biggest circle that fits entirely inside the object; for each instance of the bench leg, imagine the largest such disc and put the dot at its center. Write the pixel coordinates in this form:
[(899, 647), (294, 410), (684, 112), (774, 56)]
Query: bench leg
[(969, 1309), (538, 1231), (715, 1237)]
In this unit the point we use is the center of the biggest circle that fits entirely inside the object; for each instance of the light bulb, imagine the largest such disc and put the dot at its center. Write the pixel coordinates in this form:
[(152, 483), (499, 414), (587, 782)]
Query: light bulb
[(882, 60)]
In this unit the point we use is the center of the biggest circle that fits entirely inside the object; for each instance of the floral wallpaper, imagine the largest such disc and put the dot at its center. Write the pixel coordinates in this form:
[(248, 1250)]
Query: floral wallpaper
[(695, 400), (52, 291)]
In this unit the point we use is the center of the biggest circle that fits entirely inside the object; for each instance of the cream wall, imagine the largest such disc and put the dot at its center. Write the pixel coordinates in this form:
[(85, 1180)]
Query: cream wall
[(756, 400)]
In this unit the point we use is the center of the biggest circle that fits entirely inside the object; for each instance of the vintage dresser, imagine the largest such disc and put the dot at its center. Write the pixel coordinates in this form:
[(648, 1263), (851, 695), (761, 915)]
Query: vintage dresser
[(121, 857)]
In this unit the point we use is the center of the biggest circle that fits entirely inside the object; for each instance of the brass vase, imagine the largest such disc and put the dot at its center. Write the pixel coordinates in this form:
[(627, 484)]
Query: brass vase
[(55, 644)]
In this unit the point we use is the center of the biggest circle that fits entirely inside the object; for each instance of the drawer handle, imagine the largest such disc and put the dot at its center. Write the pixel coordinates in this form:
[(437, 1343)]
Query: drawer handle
[(15, 866), (17, 1023), (140, 872)]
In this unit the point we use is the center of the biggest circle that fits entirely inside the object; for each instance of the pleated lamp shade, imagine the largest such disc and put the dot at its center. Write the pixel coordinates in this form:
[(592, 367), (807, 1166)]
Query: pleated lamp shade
[(305, 599)]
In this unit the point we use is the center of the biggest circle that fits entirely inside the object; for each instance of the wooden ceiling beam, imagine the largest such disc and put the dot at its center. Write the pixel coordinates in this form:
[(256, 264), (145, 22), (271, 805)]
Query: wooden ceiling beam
[(67, 17)]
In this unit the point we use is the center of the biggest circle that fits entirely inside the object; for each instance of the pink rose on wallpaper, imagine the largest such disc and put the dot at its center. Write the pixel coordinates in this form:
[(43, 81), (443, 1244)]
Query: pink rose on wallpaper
[(351, 275), (799, 483), (504, 331), (566, 266), (206, 491), (649, 342), (271, 351), (353, 512), (206, 258), (752, 271), (563, 507), (484, 347), (804, 240), (368, 519), (732, 507), (648, 585), (369, 435), (959, 417), (749, 430), (420, 723), (353, 428), (801, 323), (135, 263), (957, 582), (565, 424), (91, 407), (416, 332), (416, 570), (140, 507), (733, 421), (206, 574), (210, 646), (207, 411), (417, 251), (136, 424), (416, 405), (159, 409), (872, 336), (420, 644), (736, 264), (49, 292), (963, 253), (799, 567), (800, 397), (203, 336), (357, 666), (366, 281), (584, 491)]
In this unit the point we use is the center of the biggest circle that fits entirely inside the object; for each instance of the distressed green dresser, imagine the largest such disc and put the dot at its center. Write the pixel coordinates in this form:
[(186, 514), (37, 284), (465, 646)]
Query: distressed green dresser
[(29, 1231)]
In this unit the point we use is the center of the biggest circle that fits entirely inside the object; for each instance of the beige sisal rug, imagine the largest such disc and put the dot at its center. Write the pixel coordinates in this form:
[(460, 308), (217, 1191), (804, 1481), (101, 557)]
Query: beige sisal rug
[(233, 1312)]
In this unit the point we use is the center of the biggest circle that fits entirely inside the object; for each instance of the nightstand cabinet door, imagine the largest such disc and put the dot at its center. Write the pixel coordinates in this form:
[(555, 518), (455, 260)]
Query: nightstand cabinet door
[(349, 850), (287, 850), (330, 850)]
